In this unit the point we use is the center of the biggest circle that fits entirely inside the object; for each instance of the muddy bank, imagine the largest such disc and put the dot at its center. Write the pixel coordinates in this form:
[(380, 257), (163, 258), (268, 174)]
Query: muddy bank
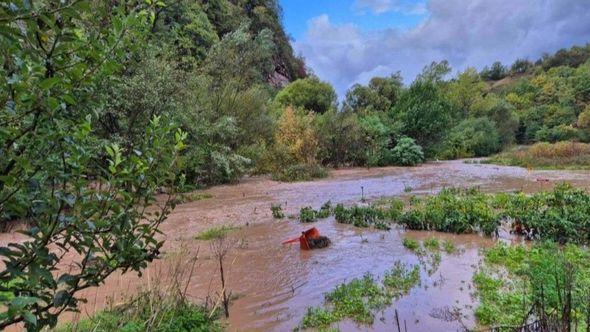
[(274, 284)]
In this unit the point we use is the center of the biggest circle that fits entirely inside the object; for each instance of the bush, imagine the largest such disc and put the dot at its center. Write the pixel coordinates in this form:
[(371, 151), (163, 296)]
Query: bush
[(362, 216), (277, 211), (472, 138), (149, 313), (452, 210), (300, 172), (310, 94), (307, 214), (407, 153)]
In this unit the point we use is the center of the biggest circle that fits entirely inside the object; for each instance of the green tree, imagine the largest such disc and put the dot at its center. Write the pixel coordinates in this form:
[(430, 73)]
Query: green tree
[(494, 73), (424, 114), (308, 93), (79, 192), (475, 137), (379, 95)]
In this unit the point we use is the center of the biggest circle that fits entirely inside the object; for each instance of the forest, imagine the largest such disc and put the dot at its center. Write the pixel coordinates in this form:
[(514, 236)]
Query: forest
[(107, 104)]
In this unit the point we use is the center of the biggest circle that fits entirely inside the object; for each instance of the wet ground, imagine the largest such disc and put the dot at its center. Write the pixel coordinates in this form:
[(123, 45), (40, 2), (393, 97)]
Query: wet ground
[(273, 284)]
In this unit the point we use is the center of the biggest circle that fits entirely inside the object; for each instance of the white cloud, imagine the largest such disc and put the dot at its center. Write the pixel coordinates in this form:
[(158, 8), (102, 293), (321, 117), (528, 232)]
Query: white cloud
[(384, 6), (473, 33)]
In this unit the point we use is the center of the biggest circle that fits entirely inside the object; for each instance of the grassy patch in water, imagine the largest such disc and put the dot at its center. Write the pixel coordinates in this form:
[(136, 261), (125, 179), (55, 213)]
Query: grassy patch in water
[(277, 211), (362, 216), (358, 299), (193, 197), (519, 284), (561, 215), (215, 233)]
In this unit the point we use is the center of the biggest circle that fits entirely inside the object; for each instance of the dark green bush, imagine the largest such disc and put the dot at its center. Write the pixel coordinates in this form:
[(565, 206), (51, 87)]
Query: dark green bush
[(475, 137)]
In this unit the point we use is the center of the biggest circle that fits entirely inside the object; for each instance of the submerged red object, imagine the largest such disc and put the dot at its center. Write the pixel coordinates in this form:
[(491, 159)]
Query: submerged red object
[(310, 239)]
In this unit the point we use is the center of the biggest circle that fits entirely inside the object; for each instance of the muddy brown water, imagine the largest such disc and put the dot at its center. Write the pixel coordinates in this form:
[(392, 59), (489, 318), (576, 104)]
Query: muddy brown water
[(273, 284)]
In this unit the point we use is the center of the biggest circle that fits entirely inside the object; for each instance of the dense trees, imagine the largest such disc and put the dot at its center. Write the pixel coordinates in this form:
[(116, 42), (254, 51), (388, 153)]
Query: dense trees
[(310, 94)]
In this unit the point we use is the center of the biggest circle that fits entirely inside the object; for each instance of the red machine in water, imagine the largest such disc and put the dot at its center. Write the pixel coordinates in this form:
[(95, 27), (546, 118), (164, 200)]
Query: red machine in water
[(310, 239)]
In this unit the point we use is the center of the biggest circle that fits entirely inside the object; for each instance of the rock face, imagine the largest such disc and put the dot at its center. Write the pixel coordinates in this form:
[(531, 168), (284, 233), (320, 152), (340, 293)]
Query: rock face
[(278, 80)]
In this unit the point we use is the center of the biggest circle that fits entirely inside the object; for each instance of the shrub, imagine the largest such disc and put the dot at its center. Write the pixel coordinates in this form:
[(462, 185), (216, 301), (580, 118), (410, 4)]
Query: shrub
[(452, 210), (407, 152), (361, 216), (472, 138), (325, 211), (277, 211), (300, 172), (149, 313), (215, 233), (411, 244), (307, 214), (542, 276)]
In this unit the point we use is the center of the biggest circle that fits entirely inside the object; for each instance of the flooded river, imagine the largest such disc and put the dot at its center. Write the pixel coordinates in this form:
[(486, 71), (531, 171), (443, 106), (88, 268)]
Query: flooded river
[(273, 284)]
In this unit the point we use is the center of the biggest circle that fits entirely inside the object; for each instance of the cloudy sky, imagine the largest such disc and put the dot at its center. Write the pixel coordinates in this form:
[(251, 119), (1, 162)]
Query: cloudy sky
[(350, 41)]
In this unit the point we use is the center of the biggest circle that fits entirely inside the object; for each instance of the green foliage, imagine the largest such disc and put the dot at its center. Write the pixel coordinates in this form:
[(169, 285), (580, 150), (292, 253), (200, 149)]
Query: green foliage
[(520, 66), (545, 279), (432, 244), (277, 211), (215, 233), (325, 210), (411, 244), (494, 73), (407, 153), (378, 135), (424, 114), (561, 215), (307, 214), (359, 299), (159, 314), (452, 210), (342, 139), (449, 247), (300, 172), (362, 216), (401, 278), (310, 94), (79, 191), (379, 95), (475, 137), (560, 155)]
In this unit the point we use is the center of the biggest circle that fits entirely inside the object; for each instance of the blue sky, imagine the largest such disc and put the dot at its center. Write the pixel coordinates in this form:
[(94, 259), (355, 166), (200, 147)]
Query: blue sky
[(350, 41), (296, 14)]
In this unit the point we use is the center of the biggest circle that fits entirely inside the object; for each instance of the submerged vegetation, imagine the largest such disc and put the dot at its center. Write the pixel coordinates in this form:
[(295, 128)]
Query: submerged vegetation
[(359, 299), (215, 233), (546, 283), (561, 215)]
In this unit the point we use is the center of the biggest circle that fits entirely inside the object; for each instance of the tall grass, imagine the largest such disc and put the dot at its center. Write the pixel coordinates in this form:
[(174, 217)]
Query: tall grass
[(560, 155), (160, 307)]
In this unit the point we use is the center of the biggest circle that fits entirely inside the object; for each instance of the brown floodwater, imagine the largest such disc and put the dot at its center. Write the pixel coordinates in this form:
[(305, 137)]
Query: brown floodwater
[(273, 284)]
